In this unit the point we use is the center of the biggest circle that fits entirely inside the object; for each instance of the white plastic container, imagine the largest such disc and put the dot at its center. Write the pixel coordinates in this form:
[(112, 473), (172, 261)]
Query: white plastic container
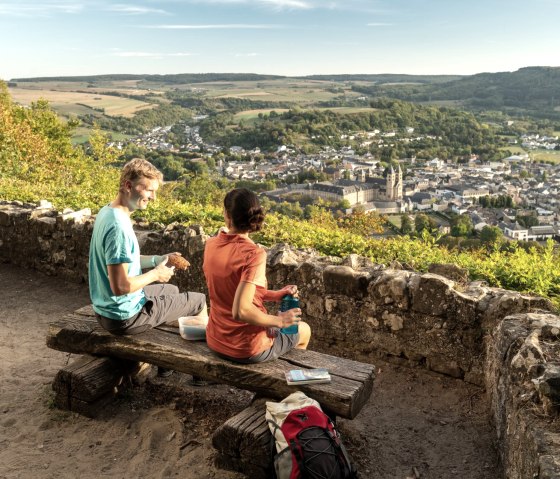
[(192, 328)]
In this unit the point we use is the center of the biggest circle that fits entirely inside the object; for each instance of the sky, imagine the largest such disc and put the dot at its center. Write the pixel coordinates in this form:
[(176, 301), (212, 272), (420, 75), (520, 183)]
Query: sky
[(280, 37)]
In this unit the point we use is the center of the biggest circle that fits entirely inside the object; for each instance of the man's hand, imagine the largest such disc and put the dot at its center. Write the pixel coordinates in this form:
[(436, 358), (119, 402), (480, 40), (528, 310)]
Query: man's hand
[(164, 273)]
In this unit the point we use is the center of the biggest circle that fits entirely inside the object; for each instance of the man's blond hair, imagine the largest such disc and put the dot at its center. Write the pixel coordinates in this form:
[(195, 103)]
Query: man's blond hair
[(139, 168)]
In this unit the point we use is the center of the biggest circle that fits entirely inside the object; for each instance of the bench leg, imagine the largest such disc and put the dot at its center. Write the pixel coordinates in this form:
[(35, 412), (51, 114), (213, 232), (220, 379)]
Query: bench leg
[(243, 443), (89, 383)]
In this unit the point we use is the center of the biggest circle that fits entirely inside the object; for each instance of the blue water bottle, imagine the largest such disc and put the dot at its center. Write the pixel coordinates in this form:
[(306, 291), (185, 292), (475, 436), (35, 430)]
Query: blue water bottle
[(289, 302)]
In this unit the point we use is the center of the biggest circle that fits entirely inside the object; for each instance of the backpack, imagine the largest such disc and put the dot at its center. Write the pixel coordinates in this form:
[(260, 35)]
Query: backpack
[(307, 442)]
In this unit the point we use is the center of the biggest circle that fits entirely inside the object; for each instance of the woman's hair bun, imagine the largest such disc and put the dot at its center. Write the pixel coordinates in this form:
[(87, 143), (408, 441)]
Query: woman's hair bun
[(244, 210), (255, 218)]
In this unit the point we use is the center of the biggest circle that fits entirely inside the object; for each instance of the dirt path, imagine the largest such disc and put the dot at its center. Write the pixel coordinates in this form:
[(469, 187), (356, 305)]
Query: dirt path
[(416, 424)]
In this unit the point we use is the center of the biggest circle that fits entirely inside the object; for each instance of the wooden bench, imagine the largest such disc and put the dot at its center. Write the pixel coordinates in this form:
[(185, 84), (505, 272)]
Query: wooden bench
[(79, 333)]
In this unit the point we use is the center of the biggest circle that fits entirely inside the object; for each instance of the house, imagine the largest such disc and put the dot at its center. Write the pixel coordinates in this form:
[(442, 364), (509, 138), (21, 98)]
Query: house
[(515, 231), (541, 233)]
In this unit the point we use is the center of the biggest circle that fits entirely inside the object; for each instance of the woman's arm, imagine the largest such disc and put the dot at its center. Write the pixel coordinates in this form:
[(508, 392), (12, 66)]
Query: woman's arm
[(244, 310), (277, 295)]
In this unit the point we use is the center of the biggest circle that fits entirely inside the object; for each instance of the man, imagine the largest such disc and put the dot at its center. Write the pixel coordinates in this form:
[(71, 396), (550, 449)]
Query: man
[(124, 299)]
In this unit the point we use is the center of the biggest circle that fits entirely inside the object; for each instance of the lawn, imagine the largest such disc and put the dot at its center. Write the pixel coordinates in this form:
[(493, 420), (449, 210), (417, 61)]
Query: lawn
[(515, 150)]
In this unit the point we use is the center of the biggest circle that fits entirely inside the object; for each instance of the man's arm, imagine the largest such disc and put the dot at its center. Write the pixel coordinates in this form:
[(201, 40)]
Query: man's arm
[(121, 283), (148, 262)]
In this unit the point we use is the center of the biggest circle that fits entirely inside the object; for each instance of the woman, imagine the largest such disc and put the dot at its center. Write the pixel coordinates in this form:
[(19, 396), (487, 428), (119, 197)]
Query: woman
[(235, 270)]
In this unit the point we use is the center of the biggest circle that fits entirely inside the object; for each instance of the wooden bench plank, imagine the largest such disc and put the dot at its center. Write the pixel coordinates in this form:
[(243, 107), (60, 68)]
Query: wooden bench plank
[(351, 386)]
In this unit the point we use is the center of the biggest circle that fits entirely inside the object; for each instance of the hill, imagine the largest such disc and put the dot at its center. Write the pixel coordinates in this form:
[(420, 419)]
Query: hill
[(172, 79), (532, 90)]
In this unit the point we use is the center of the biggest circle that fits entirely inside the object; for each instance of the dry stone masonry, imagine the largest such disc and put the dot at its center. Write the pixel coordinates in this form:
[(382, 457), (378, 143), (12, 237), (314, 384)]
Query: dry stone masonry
[(507, 341)]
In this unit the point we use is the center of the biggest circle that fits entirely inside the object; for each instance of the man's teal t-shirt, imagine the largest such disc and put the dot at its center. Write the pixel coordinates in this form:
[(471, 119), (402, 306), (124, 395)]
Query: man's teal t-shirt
[(113, 242)]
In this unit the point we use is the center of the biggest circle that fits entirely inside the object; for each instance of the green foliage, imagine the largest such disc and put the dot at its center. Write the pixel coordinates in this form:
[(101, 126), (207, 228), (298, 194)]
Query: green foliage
[(38, 160), (461, 225), (423, 222), (491, 235), (500, 201), (406, 224), (527, 220)]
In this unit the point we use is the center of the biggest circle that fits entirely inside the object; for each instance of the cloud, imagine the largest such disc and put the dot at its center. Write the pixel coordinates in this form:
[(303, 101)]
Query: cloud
[(343, 5), (150, 54), (226, 26), (135, 10), (287, 4), (39, 9), (248, 55), (277, 4)]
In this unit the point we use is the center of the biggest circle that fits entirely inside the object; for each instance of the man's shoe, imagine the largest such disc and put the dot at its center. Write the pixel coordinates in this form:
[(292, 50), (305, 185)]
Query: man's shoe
[(198, 381), (164, 372)]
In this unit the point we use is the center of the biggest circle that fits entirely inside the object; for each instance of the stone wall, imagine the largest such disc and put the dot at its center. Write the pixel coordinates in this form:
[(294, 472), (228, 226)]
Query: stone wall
[(365, 311)]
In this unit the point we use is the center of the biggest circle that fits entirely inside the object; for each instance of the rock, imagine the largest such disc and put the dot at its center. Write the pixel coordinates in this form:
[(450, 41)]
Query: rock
[(449, 271), (344, 280)]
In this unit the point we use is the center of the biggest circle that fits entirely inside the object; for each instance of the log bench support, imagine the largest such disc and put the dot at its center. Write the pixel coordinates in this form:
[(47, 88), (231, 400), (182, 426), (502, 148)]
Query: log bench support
[(89, 383), (86, 384), (243, 443)]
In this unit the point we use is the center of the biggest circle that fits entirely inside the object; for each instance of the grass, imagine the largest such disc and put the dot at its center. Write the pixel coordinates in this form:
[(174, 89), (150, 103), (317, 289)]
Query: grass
[(82, 134), (301, 92), (395, 220), (252, 114), (515, 150), (546, 155), (76, 103)]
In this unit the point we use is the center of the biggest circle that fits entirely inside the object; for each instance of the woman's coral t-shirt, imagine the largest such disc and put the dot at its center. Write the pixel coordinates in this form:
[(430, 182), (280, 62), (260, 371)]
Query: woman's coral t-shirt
[(228, 260)]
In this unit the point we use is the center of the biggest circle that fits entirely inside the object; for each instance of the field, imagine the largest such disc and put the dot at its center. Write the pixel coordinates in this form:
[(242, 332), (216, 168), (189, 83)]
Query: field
[(515, 150), (546, 155), (249, 115), (302, 92), (77, 103), (82, 134)]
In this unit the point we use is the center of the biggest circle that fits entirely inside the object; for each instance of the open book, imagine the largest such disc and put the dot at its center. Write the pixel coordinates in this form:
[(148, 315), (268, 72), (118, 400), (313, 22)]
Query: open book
[(308, 376)]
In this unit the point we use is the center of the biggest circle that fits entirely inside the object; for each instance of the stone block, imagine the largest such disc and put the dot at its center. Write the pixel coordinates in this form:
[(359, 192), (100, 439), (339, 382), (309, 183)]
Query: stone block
[(390, 287), (344, 280), (431, 294)]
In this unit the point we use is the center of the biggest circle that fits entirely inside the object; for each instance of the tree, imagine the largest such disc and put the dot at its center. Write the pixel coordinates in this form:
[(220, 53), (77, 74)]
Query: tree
[(527, 220), (491, 234), (461, 226), (424, 222), (406, 224)]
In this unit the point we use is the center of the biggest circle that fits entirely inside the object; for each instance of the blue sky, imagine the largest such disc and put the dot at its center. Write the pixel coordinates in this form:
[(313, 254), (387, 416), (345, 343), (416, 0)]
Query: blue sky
[(283, 37)]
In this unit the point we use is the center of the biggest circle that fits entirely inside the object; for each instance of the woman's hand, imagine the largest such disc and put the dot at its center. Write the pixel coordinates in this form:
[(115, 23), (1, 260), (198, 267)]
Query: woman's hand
[(287, 318), (277, 295)]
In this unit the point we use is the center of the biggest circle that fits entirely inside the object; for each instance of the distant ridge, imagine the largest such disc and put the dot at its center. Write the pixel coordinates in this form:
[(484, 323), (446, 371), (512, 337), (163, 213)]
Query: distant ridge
[(534, 90), (386, 78), (173, 78)]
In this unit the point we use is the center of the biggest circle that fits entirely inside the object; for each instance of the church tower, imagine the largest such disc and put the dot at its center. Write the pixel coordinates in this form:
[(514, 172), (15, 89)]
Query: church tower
[(390, 184), (399, 185)]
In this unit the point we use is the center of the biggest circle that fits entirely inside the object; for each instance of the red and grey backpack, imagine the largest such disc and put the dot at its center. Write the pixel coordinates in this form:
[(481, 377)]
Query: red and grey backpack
[(308, 445)]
